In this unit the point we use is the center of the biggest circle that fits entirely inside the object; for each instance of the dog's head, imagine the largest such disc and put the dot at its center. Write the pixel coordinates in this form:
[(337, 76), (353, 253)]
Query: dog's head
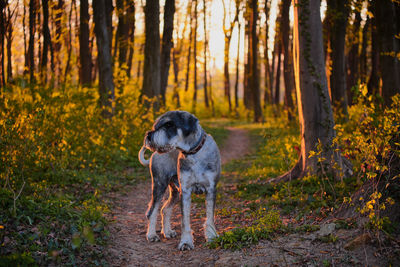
[(173, 130)]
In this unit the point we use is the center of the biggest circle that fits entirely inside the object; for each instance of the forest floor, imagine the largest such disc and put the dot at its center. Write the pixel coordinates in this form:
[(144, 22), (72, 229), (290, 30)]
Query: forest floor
[(326, 245)]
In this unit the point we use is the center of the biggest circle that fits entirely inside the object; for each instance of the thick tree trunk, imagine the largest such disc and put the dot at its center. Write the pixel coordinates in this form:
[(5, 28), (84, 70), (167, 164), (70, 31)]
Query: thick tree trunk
[(287, 62), (122, 36), (151, 70), (167, 43), (278, 75), (85, 56), (340, 10), (46, 39), (315, 111), (205, 53), (103, 40), (255, 75), (389, 63)]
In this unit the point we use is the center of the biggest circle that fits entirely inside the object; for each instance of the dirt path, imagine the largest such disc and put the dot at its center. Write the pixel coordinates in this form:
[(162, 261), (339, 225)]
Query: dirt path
[(129, 247)]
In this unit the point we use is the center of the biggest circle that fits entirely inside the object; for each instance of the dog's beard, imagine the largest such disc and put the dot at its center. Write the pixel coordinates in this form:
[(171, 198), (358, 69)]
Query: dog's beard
[(159, 143)]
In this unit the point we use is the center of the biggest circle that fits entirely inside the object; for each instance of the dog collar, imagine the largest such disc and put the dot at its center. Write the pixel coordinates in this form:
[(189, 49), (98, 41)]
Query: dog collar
[(197, 147)]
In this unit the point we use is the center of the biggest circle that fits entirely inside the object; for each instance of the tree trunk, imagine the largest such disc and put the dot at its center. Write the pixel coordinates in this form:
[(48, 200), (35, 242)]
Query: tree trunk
[(131, 25), (373, 80), (46, 39), (85, 56), (9, 37), (363, 53), (388, 48), (340, 10), (175, 58), (255, 75), (194, 103), (2, 38), (69, 43), (151, 70), (353, 58), (237, 69), (315, 111), (267, 77), (122, 36), (103, 40), (31, 45), (190, 47), (287, 64), (247, 98), (278, 74), (205, 53), (167, 43)]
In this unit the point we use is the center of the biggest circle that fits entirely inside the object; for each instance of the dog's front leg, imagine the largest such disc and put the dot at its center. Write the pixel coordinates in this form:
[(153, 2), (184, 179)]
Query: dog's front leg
[(210, 231), (186, 237)]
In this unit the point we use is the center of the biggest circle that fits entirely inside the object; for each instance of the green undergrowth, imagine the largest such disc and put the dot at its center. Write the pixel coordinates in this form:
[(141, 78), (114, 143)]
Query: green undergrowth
[(59, 161)]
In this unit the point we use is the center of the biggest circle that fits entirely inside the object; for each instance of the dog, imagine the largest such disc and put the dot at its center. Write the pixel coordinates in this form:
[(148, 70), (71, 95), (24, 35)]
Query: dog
[(186, 159)]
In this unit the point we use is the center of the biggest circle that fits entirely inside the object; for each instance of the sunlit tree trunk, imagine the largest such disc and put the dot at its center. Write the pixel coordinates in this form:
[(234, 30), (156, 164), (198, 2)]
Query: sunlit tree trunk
[(315, 111), (267, 76), (194, 103), (151, 70), (287, 62), (167, 44), (205, 53), (103, 40), (131, 25), (85, 56), (255, 74), (189, 55)]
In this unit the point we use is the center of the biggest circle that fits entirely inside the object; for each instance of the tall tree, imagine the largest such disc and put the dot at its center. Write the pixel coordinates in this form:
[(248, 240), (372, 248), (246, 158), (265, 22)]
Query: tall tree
[(315, 111), (287, 62), (389, 64), (194, 103), (2, 38), (239, 27), (151, 71), (9, 36), (167, 44), (255, 74), (190, 46), (340, 13), (47, 45), (103, 40), (373, 80), (205, 53), (85, 57), (228, 35), (131, 25), (31, 45), (267, 76)]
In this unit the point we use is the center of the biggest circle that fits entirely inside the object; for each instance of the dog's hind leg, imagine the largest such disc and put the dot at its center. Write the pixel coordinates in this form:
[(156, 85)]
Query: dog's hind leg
[(167, 211), (152, 213)]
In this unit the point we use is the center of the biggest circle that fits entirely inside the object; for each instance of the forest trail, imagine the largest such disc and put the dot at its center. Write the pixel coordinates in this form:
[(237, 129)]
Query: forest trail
[(128, 245)]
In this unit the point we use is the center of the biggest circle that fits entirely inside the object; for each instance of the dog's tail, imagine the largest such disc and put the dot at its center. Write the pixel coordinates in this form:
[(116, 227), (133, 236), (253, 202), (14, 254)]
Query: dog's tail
[(143, 161)]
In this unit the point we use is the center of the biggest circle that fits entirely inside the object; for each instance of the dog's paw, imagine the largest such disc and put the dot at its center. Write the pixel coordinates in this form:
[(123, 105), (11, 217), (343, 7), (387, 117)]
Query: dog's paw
[(153, 238), (210, 233), (184, 245), (169, 234)]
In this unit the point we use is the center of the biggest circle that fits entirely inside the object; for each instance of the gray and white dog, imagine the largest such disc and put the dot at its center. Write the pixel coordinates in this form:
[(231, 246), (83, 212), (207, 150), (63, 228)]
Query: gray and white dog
[(186, 159)]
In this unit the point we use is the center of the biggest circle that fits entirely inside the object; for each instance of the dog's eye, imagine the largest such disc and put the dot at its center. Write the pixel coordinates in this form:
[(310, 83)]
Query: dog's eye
[(168, 124)]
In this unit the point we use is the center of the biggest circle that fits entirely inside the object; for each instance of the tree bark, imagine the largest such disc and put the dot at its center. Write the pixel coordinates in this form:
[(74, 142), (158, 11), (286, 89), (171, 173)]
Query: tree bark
[(373, 80), (287, 63), (237, 68), (340, 10), (151, 70), (31, 45), (353, 57), (103, 40), (2, 38), (255, 74), (194, 103), (131, 24), (278, 74), (46, 40), (315, 111), (167, 43), (85, 56), (363, 54), (267, 76), (9, 37), (205, 53), (388, 48)]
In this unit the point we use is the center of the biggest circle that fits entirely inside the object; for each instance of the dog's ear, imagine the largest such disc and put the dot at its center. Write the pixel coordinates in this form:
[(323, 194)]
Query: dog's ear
[(190, 125)]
